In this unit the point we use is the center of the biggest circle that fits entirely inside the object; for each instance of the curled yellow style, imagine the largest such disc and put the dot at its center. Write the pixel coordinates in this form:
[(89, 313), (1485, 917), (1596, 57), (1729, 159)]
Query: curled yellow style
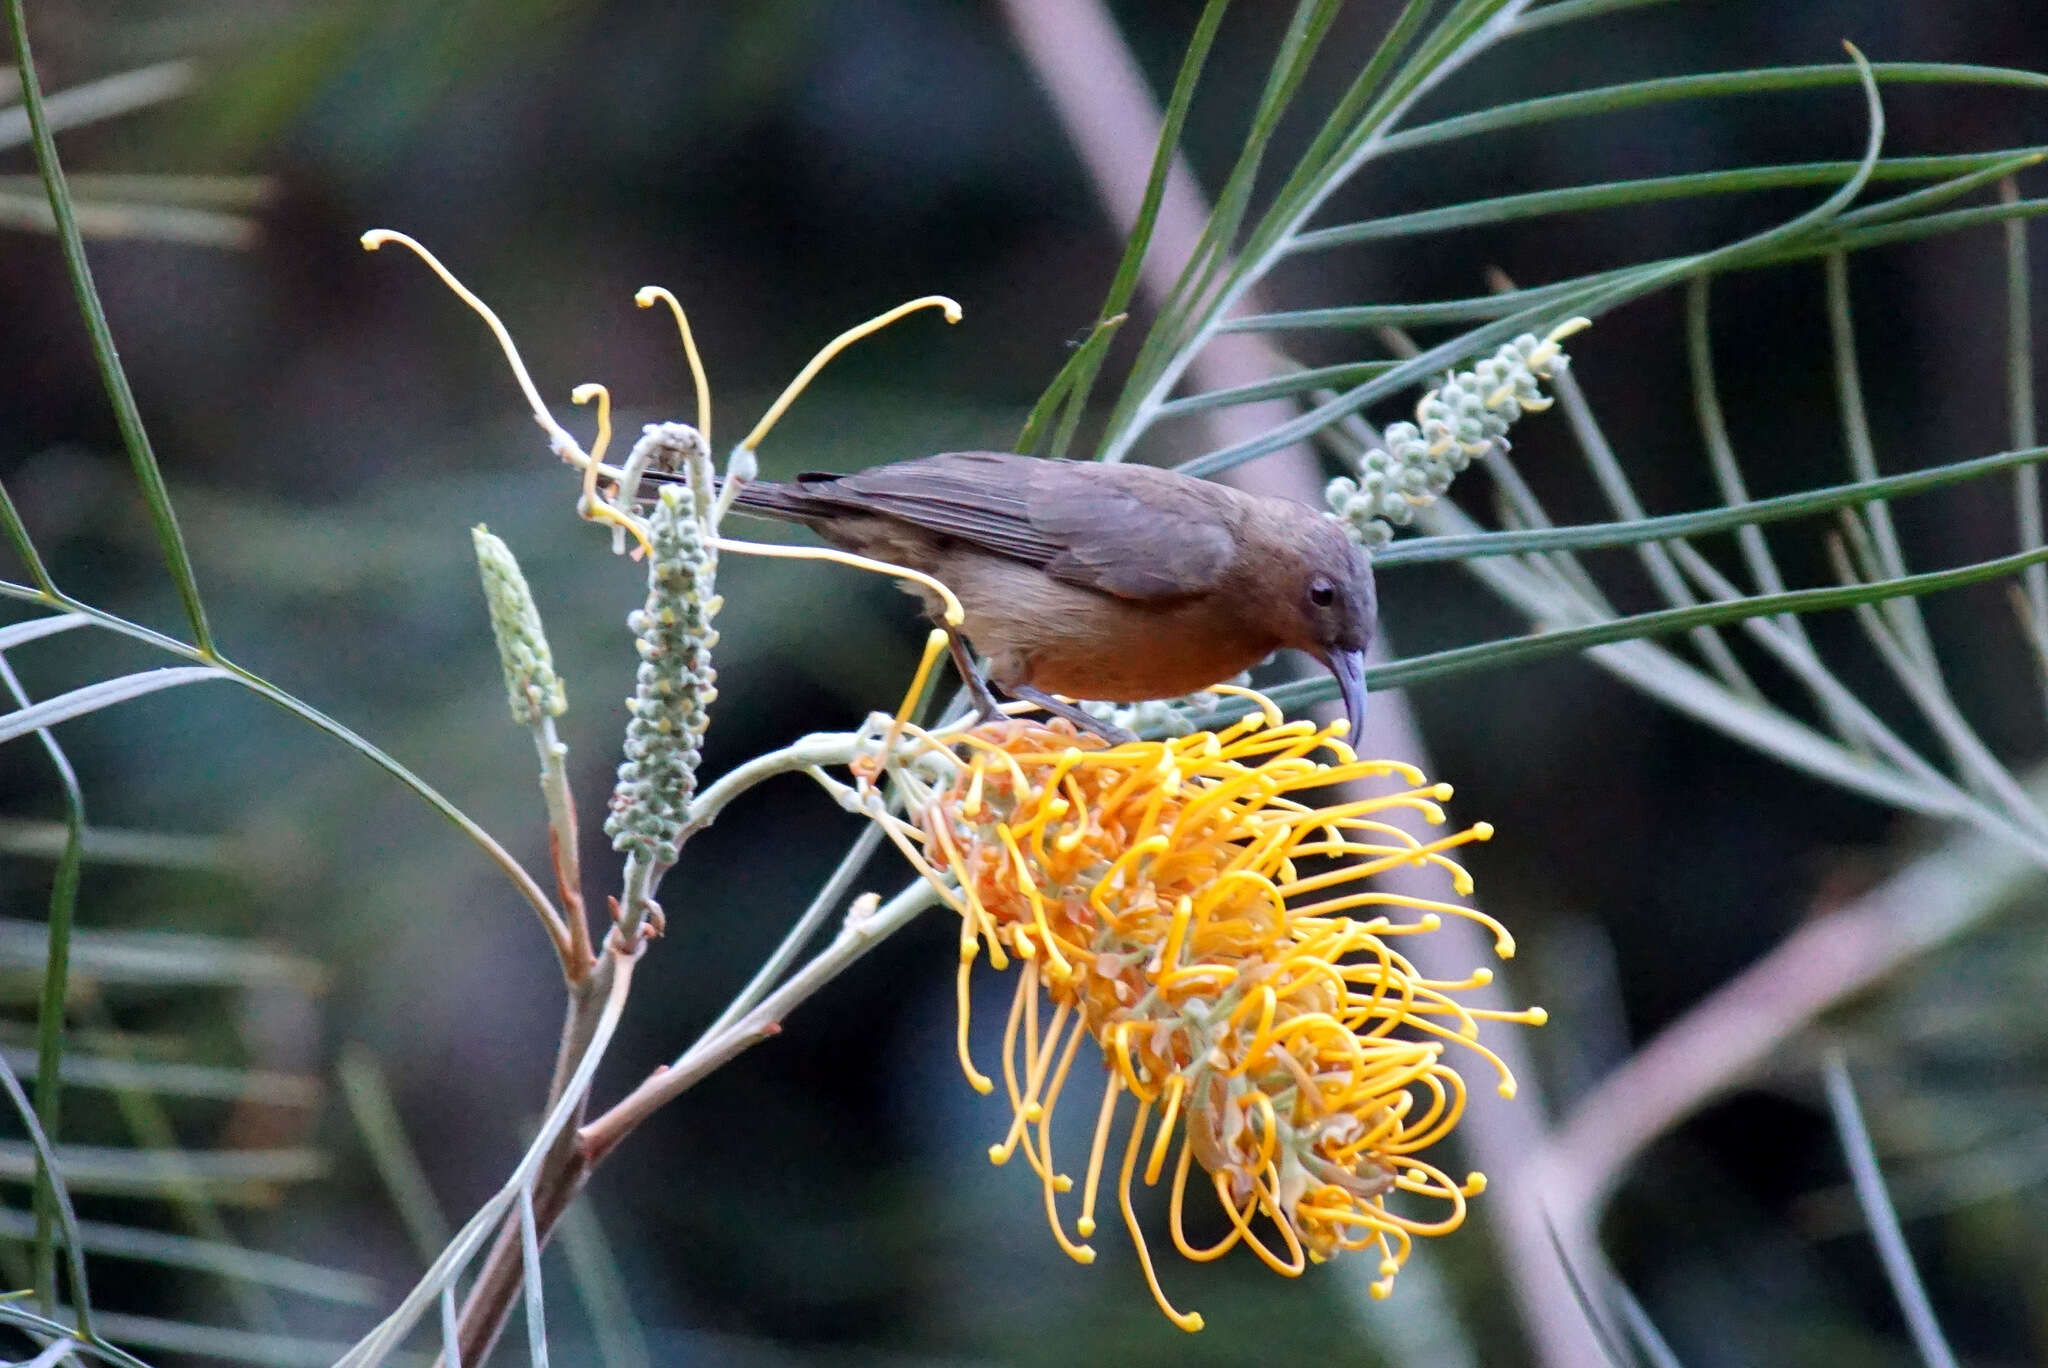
[(1188, 906)]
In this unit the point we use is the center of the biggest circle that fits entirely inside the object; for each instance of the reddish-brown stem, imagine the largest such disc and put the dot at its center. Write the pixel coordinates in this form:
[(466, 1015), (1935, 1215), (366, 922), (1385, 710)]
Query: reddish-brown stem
[(581, 952), (489, 1304), (565, 1170), (666, 1084), (574, 967)]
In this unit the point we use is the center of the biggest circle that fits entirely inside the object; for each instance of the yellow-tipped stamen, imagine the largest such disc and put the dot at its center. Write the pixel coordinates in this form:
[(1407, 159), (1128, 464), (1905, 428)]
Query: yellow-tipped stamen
[(1000, 1153), (1059, 964), (1167, 1116), (1565, 329), (976, 1079), (934, 647), (645, 298), (592, 505), (558, 436), (1291, 1050), (1173, 1215), (837, 345), (954, 614), (1394, 859), (1034, 1111), (1079, 1253), (977, 776), (1269, 711), (1111, 1090), (1190, 1321), (1055, 1086)]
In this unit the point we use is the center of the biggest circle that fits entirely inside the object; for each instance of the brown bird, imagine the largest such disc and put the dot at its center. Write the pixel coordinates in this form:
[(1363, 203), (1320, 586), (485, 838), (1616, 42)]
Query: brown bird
[(1109, 582)]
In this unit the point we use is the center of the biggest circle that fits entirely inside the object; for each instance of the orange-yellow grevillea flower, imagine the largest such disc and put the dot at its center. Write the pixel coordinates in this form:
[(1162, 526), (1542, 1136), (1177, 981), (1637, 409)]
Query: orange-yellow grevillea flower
[(1188, 906)]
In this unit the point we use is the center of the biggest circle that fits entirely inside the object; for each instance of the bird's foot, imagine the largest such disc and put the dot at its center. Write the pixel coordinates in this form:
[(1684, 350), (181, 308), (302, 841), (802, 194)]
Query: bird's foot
[(989, 709), (1074, 713), (986, 706)]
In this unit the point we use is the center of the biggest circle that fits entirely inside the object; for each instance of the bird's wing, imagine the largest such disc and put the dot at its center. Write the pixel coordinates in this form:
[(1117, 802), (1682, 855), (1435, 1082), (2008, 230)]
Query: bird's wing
[(1134, 531), (1117, 529), (1131, 531), (977, 497)]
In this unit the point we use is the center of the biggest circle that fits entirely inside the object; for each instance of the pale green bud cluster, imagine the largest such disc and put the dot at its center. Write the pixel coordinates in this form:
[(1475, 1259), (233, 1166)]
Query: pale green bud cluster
[(532, 687), (1465, 418), (1163, 717), (674, 686)]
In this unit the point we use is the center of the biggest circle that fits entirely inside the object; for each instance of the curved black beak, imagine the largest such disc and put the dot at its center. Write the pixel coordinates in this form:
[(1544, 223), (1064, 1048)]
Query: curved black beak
[(1349, 668)]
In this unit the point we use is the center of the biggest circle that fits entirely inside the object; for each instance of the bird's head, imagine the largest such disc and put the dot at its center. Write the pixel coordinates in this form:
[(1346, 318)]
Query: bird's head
[(1332, 609)]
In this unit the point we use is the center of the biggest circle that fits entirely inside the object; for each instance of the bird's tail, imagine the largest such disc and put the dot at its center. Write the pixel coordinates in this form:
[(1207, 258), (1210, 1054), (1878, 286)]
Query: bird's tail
[(765, 498)]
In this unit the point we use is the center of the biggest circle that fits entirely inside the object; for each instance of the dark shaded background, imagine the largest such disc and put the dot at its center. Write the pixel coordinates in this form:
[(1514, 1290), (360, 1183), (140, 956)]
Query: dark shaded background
[(332, 423)]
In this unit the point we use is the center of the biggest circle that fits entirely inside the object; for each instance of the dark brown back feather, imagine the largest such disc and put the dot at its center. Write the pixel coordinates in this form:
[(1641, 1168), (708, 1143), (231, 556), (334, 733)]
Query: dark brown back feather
[(1133, 531)]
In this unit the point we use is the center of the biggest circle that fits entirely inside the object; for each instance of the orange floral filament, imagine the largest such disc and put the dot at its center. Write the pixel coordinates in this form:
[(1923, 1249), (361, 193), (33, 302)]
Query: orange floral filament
[(1290, 1050)]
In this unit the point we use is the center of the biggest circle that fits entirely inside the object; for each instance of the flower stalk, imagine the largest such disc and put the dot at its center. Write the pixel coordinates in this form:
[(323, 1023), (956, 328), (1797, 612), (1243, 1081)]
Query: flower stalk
[(673, 692), (536, 697), (654, 807), (1463, 419)]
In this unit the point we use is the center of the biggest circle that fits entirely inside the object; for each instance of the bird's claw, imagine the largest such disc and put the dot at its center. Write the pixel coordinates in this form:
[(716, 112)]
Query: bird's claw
[(1088, 722)]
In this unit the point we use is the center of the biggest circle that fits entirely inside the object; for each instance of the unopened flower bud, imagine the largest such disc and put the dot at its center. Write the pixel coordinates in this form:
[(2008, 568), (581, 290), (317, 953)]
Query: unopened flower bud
[(673, 686), (532, 687)]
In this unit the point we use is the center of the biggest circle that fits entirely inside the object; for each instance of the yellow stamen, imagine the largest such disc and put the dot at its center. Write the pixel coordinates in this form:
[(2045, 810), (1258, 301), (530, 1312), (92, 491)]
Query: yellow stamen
[(1173, 1215), (831, 349), (558, 436), (645, 298), (1290, 1268), (1171, 1113), (934, 646), (1190, 1321), (592, 505), (1111, 1090), (1000, 1154), (976, 1079), (970, 807), (954, 614), (1060, 966), (1039, 1155), (1054, 1087)]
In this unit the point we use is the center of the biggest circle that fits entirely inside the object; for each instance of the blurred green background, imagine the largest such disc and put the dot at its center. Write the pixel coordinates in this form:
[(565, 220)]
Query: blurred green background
[(332, 423)]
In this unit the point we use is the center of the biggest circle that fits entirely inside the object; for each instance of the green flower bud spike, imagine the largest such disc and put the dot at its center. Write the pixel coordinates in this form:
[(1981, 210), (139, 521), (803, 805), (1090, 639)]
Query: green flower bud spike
[(532, 687), (1466, 418), (675, 685)]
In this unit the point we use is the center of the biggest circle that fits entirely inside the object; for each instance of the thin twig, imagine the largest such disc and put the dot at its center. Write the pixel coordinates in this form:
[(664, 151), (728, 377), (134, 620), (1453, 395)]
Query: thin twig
[(855, 939), (1713, 1046), (56, 990), (2019, 386), (828, 898), (127, 415), (563, 842), (1877, 1210), (542, 1158)]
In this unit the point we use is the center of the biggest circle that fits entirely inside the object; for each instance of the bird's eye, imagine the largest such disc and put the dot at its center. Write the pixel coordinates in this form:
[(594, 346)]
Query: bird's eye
[(1322, 593)]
